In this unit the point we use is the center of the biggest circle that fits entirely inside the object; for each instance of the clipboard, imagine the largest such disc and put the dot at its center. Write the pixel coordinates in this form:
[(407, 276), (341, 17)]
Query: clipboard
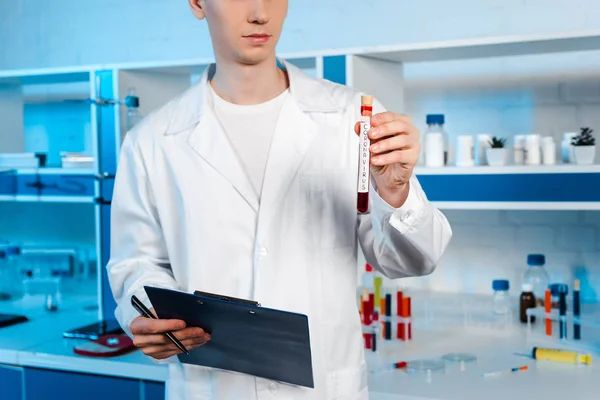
[(245, 337)]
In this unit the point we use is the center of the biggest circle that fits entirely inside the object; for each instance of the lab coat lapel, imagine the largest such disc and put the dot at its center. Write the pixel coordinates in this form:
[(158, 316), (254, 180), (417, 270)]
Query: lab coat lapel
[(210, 142), (293, 136)]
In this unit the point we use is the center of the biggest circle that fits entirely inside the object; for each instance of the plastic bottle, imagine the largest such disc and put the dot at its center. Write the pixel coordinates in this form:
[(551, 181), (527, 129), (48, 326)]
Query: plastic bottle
[(537, 276), (501, 299), (132, 102), (526, 301), (435, 127)]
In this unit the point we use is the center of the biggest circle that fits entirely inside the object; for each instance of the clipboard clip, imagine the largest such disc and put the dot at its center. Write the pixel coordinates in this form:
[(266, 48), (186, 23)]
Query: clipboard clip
[(226, 298)]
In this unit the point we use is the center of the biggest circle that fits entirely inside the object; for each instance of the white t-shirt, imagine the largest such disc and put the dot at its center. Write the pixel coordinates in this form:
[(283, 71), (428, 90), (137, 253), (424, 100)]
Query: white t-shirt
[(250, 129)]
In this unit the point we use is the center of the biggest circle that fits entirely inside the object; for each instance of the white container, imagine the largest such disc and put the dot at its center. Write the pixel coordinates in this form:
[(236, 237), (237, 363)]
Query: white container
[(519, 150), (567, 148), (584, 155), (496, 157), (435, 124), (464, 151), (548, 150), (482, 143), (19, 160), (434, 150), (533, 154)]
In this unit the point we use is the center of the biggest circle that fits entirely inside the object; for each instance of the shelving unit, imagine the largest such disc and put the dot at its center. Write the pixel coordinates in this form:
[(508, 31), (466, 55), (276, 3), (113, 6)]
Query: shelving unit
[(378, 70)]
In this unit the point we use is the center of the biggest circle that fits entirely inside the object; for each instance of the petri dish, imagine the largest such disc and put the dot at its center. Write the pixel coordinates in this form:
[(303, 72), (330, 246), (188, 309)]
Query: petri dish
[(425, 366), (459, 360)]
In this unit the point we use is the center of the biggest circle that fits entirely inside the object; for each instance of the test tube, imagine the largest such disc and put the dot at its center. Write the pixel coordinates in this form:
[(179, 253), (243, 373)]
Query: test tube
[(388, 316), (548, 309), (364, 168), (576, 310), (563, 313), (399, 326)]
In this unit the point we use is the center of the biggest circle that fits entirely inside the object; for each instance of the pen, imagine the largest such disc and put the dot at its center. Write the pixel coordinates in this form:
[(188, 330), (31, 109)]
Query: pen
[(142, 309)]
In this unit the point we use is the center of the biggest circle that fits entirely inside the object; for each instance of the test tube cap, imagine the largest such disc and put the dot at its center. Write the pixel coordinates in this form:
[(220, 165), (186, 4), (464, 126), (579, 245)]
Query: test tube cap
[(366, 100)]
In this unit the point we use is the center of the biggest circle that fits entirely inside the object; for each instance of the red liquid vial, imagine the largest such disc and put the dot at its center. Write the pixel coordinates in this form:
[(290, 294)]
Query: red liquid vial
[(364, 155)]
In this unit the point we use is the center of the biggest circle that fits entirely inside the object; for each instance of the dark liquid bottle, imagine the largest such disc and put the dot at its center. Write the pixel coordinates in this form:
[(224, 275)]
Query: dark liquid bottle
[(527, 300)]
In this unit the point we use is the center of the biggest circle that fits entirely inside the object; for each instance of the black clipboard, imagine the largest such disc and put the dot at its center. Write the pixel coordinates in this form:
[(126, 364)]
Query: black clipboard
[(245, 337)]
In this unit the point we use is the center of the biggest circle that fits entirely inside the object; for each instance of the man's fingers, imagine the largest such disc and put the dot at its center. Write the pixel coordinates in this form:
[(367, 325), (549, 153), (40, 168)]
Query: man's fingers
[(391, 128), (145, 326), (160, 338), (398, 156), (388, 116), (392, 143), (162, 350)]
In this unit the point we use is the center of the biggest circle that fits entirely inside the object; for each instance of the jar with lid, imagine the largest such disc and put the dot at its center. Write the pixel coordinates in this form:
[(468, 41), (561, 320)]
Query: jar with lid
[(526, 301), (437, 146), (9, 271), (537, 277), (501, 300)]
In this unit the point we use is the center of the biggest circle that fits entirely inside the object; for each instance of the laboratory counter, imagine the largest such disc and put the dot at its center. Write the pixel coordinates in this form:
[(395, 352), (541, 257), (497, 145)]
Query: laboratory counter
[(36, 353)]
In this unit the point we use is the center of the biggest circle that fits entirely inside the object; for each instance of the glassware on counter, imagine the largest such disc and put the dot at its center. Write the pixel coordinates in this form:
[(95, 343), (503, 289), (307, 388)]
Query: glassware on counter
[(501, 300), (537, 276), (9, 271)]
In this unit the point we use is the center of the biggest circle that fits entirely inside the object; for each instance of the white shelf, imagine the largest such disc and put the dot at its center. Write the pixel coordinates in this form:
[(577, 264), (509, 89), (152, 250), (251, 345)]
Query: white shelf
[(522, 206), (48, 199), (485, 47), (510, 169), (56, 171)]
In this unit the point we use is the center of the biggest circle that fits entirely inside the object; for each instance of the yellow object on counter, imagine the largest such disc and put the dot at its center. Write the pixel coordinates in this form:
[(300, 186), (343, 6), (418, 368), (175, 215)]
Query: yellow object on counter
[(378, 281), (564, 356)]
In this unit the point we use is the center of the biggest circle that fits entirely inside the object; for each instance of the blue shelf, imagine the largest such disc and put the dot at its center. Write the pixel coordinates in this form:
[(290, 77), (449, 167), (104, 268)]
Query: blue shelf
[(52, 184), (540, 187)]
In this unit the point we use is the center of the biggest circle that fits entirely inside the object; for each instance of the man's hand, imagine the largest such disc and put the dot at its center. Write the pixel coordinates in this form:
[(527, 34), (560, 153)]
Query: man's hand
[(395, 150), (149, 336)]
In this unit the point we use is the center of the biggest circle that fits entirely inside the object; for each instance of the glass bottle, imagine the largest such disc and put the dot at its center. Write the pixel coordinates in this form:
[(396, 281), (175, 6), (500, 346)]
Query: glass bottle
[(526, 301), (501, 300), (132, 102), (435, 125), (537, 276)]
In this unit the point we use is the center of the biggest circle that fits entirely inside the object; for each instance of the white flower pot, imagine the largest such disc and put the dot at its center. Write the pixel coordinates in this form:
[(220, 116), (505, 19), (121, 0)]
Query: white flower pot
[(584, 155), (496, 157)]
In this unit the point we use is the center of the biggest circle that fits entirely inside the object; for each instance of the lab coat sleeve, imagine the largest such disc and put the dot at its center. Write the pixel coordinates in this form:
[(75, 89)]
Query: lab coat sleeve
[(406, 241), (138, 254)]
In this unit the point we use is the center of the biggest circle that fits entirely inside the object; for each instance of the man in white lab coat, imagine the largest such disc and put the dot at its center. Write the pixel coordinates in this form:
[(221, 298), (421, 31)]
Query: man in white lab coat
[(245, 185)]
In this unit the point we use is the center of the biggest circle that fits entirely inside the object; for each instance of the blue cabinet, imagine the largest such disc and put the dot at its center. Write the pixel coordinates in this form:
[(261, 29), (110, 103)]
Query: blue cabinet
[(11, 382), (56, 185), (154, 391), (41, 384), (46, 384)]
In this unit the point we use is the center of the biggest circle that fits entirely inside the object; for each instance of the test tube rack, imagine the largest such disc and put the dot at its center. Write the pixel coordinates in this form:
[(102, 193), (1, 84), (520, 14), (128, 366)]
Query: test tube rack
[(381, 321)]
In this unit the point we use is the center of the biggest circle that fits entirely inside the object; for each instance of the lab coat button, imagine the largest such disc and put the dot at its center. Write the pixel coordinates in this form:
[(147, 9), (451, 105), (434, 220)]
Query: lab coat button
[(273, 387), (264, 251)]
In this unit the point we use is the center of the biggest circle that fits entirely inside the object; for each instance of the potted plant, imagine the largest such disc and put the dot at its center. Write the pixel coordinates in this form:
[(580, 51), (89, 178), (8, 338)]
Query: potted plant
[(584, 149), (496, 153)]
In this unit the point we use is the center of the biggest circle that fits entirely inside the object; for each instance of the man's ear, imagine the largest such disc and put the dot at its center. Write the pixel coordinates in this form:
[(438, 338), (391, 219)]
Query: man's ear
[(197, 10)]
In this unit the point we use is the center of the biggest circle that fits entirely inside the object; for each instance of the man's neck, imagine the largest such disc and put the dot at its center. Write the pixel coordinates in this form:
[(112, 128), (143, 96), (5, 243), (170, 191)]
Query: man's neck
[(249, 84)]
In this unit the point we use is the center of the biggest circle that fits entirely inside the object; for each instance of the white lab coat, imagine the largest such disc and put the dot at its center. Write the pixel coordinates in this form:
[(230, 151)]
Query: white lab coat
[(184, 216)]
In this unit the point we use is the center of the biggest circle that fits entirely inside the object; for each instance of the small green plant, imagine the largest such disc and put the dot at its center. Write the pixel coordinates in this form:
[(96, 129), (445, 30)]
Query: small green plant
[(585, 138), (497, 143)]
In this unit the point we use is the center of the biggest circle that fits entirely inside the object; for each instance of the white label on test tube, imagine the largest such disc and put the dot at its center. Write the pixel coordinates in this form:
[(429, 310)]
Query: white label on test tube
[(365, 152)]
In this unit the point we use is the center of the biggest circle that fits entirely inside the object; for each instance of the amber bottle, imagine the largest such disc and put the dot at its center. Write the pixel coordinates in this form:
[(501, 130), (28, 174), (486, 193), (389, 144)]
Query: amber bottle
[(527, 300)]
